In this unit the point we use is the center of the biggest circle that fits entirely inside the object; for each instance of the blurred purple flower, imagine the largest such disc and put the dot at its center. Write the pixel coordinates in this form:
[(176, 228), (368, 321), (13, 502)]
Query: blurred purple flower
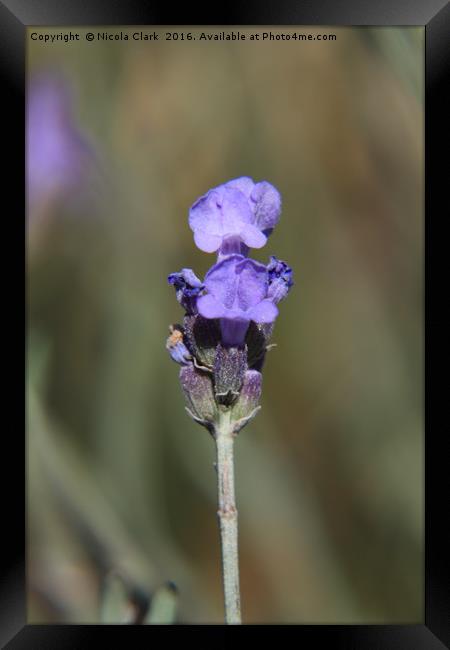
[(57, 154), (235, 216), (237, 294)]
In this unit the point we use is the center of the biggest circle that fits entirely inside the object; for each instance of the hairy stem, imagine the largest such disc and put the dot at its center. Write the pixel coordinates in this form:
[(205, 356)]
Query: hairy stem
[(228, 522)]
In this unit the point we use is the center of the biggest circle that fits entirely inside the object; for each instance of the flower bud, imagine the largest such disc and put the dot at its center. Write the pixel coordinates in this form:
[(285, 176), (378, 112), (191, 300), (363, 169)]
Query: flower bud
[(230, 365), (198, 391), (247, 404)]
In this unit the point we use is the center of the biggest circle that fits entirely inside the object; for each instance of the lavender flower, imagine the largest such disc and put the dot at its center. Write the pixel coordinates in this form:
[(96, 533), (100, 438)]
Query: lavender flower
[(237, 294), (235, 216), (229, 317), (226, 328)]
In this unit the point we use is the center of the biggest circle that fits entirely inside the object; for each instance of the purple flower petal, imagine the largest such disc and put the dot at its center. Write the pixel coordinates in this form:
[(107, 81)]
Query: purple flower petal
[(235, 211), (204, 215), (221, 280), (252, 236), (244, 184), (267, 202), (210, 307), (206, 242), (265, 312), (252, 285)]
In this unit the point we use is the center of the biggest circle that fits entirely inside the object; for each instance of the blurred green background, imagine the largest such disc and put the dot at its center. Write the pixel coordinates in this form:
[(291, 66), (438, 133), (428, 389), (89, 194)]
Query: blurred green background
[(330, 473)]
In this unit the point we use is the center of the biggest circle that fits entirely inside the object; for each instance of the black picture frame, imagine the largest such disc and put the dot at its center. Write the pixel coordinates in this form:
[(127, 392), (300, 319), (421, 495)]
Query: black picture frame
[(15, 16)]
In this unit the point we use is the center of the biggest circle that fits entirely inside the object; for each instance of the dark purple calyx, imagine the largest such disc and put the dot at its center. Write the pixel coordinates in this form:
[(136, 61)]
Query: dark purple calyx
[(188, 287)]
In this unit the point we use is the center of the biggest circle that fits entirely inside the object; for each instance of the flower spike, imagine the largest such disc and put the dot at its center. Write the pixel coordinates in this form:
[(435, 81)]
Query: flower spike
[(228, 322)]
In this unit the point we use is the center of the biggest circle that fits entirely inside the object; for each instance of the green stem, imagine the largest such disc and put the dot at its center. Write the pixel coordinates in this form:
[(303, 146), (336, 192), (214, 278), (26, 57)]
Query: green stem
[(228, 519)]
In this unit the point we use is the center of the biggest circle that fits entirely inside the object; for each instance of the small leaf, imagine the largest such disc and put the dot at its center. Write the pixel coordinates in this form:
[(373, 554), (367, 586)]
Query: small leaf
[(198, 391)]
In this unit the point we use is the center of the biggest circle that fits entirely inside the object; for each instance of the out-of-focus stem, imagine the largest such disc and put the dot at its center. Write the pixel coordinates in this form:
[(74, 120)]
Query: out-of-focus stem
[(228, 519)]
